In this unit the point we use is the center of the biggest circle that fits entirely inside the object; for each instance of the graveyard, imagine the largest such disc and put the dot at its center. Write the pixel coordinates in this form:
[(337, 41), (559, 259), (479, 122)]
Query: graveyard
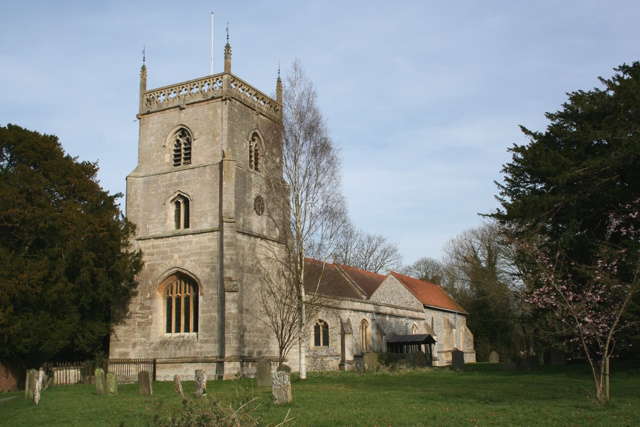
[(478, 394)]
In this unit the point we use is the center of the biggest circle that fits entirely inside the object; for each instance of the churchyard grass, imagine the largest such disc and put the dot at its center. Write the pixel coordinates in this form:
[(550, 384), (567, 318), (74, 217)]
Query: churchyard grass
[(480, 395)]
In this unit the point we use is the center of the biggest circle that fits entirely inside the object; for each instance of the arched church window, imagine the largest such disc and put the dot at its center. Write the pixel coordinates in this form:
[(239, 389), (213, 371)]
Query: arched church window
[(181, 147), (365, 338), (181, 212), (181, 306), (321, 334), (255, 153), (414, 329)]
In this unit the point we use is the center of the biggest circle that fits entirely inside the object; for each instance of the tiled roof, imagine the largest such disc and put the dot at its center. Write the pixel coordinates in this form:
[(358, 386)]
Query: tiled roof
[(327, 280), (368, 282), (429, 294)]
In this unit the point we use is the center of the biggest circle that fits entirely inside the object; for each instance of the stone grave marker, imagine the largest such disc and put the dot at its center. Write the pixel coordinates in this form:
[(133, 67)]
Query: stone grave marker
[(100, 382), (457, 359), (281, 387), (28, 384), (201, 382), (37, 388), (145, 385), (112, 383), (177, 385), (494, 357), (370, 362), (284, 368), (509, 365), (263, 373)]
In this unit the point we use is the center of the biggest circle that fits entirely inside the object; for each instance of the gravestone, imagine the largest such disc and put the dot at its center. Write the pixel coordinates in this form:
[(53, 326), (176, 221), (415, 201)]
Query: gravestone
[(284, 368), (112, 383), (37, 388), (100, 382), (370, 362), (263, 373), (281, 387), (144, 383), (177, 385), (28, 384), (201, 383), (509, 365), (494, 357), (557, 358), (457, 359)]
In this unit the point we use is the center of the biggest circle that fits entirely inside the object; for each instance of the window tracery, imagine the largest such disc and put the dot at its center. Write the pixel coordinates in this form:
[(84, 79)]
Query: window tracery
[(321, 334), (181, 147), (181, 306), (181, 212), (365, 337)]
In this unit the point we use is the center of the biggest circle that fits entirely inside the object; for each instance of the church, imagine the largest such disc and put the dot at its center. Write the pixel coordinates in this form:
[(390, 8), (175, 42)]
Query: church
[(199, 199)]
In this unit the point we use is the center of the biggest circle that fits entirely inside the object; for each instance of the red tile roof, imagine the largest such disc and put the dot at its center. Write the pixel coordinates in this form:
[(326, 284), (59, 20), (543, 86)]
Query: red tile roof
[(429, 294), (367, 281), (326, 279)]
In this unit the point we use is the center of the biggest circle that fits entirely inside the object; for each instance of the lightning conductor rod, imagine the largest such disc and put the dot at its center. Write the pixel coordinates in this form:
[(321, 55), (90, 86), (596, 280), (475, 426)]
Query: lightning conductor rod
[(212, 43)]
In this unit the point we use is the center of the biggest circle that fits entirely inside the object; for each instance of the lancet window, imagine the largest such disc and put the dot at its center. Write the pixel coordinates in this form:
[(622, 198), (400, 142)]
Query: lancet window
[(181, 212), (181, 147), (255, 153), (365, 337), (181, 305), (321, 334)]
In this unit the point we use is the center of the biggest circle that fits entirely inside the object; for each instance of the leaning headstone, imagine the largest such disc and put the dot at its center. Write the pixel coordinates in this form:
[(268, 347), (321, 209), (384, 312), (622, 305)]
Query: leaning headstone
[(263, 373), (100, 382), (284, 368), (370, 362), (144, 383), (112, 383), (201, 383), (494, 357), (177, 385), (457, 359), (281, 387)]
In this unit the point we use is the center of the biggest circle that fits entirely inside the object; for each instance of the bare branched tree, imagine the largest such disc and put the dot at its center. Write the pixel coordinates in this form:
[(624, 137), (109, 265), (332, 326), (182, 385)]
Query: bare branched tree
[(367, 251), (315, 214), (427, 269)]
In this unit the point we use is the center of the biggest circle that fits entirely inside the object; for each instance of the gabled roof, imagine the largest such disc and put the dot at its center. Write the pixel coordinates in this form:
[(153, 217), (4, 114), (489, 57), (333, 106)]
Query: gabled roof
[(429, 294), (367, 281), (326, 279)]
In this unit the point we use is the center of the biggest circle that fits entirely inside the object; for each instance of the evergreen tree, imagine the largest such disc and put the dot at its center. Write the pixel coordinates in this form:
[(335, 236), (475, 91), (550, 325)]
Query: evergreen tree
[(66, 269)]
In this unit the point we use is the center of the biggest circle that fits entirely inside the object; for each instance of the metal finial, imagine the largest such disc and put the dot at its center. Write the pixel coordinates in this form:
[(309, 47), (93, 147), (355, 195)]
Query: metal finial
[(144, 47), (278, 67), (227, 31)]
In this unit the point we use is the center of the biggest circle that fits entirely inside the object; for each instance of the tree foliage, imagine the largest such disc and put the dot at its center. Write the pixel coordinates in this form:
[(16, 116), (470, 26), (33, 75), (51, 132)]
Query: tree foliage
[(427, 269), (67, 271), (560, 193)]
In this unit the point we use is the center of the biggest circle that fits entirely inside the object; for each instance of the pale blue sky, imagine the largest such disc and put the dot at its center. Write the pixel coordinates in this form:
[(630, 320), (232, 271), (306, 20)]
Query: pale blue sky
[(423, 97)]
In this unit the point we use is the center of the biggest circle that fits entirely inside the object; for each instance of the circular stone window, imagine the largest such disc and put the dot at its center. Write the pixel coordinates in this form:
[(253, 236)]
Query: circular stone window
[(258, 205)]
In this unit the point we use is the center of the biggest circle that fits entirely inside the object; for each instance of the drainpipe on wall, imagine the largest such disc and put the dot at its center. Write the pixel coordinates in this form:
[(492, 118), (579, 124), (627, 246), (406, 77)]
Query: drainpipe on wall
[(373, 331)]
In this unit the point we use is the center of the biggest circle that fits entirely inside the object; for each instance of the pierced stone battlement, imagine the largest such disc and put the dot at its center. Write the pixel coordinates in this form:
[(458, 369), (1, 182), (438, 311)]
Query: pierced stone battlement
[(223, 85)]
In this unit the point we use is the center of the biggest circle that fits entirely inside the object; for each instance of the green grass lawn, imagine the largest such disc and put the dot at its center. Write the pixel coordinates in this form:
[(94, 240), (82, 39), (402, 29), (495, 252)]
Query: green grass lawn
[(481, 395)]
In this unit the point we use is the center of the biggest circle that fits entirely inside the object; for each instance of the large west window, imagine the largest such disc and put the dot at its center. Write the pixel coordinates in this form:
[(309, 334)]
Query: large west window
[(181, 305)]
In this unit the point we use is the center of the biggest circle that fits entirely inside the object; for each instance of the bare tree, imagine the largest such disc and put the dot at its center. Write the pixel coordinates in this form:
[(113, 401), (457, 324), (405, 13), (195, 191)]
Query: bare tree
[(316, 211), (367, 251), (427, 269)]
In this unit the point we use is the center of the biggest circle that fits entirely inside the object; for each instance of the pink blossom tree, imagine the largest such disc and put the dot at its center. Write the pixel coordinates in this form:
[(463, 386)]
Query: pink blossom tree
[(590, 301)]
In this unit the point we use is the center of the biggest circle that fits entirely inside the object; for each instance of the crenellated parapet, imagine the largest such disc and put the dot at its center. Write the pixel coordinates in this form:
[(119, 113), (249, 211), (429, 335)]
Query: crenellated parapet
[(224, 85)]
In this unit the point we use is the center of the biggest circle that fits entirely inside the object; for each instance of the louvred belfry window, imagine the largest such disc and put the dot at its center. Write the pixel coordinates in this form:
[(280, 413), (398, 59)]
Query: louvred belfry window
[(181, 147), (181, 304)]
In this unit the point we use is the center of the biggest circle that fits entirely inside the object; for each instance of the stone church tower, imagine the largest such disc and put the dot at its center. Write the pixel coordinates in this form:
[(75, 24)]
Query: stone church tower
[(199, 200)]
